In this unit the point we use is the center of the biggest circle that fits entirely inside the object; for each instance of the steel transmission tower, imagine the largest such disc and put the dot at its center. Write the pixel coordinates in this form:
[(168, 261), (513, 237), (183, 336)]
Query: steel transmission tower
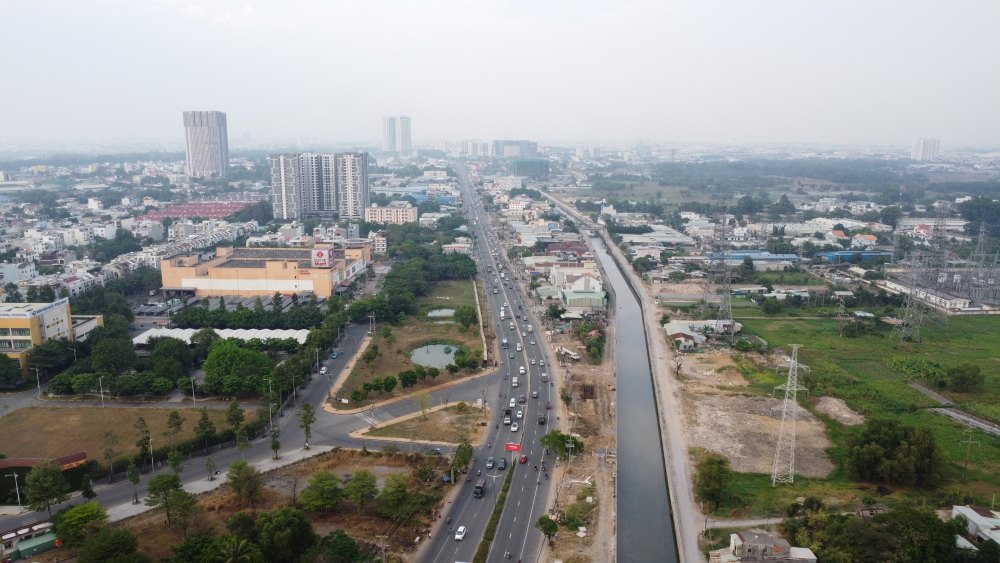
[(913, 308), (719, 279), (783, 472)]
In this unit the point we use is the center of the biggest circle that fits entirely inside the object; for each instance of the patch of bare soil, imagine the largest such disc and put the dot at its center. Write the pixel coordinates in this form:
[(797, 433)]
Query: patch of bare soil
[(745, 430), (711, 371), (838, 410)]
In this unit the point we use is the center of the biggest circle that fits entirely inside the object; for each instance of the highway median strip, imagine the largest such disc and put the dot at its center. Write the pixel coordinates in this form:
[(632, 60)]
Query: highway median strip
[(483, 551)]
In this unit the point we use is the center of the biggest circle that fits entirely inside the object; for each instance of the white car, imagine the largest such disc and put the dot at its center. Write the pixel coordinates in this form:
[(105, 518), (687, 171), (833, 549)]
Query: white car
[(524, 333), (541, 362), (520, 415), (513, 403), (514, 427), (532, 342), (533, 362), (460, 533), (322, 370)]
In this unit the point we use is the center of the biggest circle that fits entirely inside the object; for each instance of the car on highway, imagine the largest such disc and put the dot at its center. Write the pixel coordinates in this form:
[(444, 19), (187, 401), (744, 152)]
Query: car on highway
[(513, 403), (519, 414), (522, 459), (541, 362), (534, 394), (333, 356), (502, 464), (514, 427), (532, 342), (510, 355), (522, 399), (322, 370), (533, 361), (524, 333), (490, 462), (460, 533)]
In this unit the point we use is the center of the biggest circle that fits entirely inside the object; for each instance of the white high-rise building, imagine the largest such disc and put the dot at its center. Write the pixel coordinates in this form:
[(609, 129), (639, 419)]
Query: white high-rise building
[(925, 149), (396, 134), (207, 144), (285, 191), (352, 184)]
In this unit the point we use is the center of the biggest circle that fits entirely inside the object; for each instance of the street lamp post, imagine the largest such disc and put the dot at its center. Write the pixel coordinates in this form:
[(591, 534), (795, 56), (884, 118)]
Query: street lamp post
[(100, 385), (194, 400), (38, 380), (74, 354), (152, 462), (17, 489), (270, 403)]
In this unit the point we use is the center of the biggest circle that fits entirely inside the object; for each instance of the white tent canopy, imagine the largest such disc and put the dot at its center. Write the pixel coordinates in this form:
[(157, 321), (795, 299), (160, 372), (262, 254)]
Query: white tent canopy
[(238, 333)]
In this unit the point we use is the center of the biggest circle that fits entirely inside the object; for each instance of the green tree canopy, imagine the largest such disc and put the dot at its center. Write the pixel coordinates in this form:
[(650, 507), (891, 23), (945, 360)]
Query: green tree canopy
[(361, 488), (234, 370), (336, 547), (245, 481), (78, 522), (112, 355), (556, 441), (112, 545), (711, 478), (284, 534), (323, 492), (45, 486)]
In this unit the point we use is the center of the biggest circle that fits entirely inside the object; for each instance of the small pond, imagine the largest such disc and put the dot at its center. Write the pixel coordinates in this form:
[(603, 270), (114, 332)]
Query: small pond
[(439, 313), (434, 355)]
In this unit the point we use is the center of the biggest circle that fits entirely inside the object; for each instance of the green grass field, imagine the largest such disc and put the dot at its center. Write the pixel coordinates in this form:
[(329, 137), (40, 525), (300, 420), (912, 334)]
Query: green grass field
[(854, 369)]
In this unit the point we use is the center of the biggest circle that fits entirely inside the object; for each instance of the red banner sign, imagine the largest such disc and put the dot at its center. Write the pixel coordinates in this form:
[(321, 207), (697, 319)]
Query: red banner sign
[(513, 447)]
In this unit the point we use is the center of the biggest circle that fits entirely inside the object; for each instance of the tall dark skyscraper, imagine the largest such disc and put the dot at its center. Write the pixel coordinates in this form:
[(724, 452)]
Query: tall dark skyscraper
[(207, 144)]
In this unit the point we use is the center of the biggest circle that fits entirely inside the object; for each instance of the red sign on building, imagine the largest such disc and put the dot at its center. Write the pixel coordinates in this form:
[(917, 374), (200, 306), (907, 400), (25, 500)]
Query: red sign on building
[(513, 447)]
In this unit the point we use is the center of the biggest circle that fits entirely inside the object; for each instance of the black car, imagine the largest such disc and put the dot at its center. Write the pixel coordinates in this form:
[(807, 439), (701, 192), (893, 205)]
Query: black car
[(502, 464)]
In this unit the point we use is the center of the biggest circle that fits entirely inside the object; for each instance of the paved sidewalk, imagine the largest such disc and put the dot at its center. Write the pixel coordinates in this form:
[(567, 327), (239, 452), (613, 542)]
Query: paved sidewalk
[(200, 486)]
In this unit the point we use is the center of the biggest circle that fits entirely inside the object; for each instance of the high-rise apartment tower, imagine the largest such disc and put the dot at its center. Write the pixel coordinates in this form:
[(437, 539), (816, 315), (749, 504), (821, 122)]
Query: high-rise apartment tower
[(352, 184), (396, 134), (207, 144), (925, 149)]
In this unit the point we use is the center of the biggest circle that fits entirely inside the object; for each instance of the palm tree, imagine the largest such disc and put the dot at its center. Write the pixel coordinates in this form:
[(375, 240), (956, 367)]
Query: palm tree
[(235, 550)]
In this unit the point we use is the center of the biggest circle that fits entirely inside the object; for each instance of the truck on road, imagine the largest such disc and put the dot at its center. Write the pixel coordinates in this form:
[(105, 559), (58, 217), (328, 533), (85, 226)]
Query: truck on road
[(480, 488), (506, 416)]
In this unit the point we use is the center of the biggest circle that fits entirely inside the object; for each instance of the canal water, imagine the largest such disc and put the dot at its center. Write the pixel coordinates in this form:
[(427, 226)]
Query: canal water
[(645, 528)]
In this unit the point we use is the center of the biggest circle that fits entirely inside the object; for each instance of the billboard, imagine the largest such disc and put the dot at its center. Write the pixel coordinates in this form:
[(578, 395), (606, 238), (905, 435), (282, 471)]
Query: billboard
[(511, 447), (321, 258)]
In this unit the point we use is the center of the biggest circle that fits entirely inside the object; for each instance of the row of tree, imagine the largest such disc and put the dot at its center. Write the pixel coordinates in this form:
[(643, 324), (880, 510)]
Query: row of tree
[(300, 315)]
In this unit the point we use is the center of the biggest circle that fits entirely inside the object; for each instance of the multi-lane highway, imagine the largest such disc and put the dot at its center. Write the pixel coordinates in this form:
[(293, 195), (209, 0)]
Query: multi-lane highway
[(529, 493)]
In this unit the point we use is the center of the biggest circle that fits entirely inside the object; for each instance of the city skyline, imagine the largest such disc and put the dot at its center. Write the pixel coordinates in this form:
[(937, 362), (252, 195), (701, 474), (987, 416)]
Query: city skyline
[(712, 72)]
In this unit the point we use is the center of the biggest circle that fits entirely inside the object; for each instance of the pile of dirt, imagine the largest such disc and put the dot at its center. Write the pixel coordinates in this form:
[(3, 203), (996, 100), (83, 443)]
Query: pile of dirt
[(838, 410), (744, 430)]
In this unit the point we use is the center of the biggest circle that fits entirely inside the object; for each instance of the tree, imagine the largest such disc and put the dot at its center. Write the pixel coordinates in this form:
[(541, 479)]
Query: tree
[(245, 481), (361, 488), (184, 506), (202, 342), (243, 526), (144, 443), (891, 452), (175, 460), (323, 492), (557, 441), (175, 423), (771, 306), (275, 443), (242, 441), (307, 416), (115, 545), (284, 534), (711, 479), (132, 473), (112, 355), (196, 547), (424, 402), (110, 440), (336, 547), (45, 486), (87, 488), (466, 315), (175, 349), (236, 550), (395, 500), (966, 378), (211, 468), (234, 370), (548, 527), (554, 311), (10, 372), (77, 522), (159, 490), (234, 415), (205, 429)]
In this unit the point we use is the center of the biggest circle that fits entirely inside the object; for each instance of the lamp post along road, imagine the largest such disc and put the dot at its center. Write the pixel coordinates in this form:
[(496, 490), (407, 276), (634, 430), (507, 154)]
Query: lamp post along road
[(17, 490), (194, 400), (100, 386), (38, 380)]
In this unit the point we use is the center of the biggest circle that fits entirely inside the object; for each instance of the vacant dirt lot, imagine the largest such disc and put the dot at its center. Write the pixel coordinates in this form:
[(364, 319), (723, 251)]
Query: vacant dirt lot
[(745, 429), (711, 372), (68, 430), (441, 425), (838, 410)]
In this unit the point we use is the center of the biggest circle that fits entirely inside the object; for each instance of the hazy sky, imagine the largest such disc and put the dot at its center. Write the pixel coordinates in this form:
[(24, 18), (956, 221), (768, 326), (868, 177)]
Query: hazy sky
[(836, 71)]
